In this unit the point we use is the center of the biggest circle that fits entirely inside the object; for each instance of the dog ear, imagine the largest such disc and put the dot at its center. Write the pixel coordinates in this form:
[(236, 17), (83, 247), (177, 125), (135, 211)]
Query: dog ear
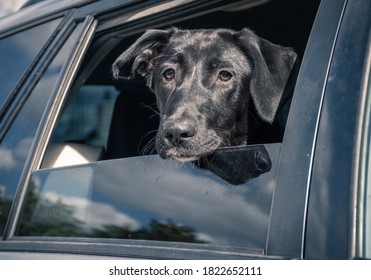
[(271, 69), (139, 58)]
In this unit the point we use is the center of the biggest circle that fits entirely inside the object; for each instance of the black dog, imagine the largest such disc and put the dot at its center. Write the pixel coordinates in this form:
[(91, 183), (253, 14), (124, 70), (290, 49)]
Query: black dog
[(204, 81)]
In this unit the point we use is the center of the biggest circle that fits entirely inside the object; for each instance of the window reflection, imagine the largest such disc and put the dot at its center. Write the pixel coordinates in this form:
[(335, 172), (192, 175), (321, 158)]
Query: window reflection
[(15, 146), (17, 54), (150, 198)]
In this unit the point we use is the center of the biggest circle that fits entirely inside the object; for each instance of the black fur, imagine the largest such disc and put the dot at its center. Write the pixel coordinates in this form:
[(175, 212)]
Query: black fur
[(204, 81)]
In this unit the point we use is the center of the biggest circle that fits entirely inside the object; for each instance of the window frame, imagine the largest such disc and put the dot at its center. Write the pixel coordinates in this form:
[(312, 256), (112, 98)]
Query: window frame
[(363, 216), (47, 120), (30, 79), (288, 234), (335, 171)]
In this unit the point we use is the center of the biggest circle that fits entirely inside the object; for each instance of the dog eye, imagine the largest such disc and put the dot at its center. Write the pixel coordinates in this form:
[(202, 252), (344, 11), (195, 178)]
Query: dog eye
[(169, 74), (224, 76)]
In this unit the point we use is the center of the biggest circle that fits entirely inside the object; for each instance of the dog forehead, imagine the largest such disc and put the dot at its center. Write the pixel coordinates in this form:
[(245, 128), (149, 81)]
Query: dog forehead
[(201, 41), (208, 47)]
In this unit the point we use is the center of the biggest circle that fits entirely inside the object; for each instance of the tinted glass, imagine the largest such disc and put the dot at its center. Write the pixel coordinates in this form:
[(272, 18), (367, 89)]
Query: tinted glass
[(18, 51), (153, 199), (16, 144)]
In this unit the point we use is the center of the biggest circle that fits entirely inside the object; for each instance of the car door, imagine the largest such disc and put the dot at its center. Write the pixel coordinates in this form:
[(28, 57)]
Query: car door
[(119, 202), (330, 204), (143, 205)]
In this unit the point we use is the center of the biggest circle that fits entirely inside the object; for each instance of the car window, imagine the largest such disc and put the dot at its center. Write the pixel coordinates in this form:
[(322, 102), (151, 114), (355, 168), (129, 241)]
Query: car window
[(18, 52), (148, 198), (107, 119), (15, 146), (101, 176)]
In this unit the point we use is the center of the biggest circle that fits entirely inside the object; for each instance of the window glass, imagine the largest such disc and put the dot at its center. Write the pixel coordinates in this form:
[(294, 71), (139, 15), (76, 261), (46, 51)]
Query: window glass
[(15, 145), (153, 199), (88, 116), (17, 53)]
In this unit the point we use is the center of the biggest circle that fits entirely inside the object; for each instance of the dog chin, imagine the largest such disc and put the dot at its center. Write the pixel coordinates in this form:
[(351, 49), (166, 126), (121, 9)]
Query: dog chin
[(186, 159), (179, 157)]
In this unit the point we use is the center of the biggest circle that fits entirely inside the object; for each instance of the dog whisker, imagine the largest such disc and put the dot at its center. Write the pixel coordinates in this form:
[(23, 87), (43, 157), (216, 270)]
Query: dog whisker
[(149, 148), (152, 107)]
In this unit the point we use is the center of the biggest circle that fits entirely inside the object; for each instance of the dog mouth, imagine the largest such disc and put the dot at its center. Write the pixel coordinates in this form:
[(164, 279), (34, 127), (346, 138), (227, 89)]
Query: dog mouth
[(188, 152), (181, 157), (186, 158)]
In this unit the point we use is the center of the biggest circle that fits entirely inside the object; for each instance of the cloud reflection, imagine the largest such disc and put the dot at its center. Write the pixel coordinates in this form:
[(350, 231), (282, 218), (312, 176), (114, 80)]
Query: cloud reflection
[(93, 215), (7, 161)]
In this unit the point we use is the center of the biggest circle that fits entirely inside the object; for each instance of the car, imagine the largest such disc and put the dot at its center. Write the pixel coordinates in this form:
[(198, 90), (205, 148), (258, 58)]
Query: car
[(79, 177)]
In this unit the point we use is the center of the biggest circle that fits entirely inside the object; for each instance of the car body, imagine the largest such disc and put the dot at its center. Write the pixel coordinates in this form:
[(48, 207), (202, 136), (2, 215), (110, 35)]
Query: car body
[(113, 202)]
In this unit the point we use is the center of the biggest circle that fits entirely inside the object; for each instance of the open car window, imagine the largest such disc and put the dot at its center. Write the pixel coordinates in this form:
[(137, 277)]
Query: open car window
[(104, 118), (101, 177)]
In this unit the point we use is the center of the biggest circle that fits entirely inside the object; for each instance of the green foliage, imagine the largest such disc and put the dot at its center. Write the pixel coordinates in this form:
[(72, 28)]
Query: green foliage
[(168, 231)]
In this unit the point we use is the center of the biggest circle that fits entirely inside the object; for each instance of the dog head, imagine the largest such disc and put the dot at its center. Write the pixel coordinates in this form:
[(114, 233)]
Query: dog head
[(203, 81)]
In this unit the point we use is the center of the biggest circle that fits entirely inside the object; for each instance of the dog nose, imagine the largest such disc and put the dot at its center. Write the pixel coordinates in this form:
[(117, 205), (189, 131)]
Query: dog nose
[(179, 130)]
